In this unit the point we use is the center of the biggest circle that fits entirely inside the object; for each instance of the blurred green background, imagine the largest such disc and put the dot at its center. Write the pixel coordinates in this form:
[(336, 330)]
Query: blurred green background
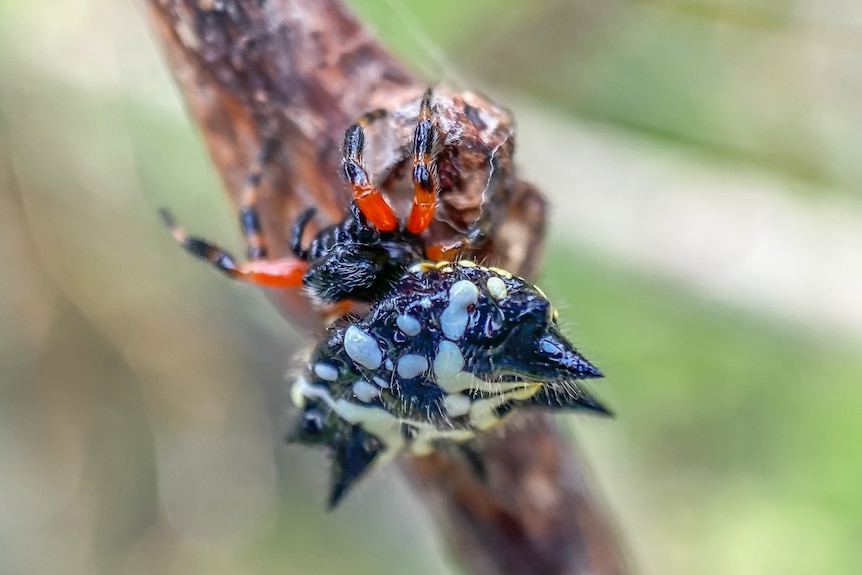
[(703, 158)]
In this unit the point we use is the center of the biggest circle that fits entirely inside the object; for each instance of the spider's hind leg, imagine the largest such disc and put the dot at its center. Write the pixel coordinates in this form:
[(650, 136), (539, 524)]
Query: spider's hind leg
[(286, 272), (281, 273), (249, 217)]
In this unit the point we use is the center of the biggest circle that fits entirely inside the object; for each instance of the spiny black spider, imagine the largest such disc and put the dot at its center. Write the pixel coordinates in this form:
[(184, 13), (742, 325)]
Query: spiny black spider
[(447, 350)]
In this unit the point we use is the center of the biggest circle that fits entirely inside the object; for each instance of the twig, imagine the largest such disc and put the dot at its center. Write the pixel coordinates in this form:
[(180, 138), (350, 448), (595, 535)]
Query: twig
[(299, 71)]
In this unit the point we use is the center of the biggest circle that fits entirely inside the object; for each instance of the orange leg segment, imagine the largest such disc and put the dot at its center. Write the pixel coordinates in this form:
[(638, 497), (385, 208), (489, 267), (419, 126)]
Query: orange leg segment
[(281, 273), (373, 206), (448, 252), (368, 198), (424, 170)]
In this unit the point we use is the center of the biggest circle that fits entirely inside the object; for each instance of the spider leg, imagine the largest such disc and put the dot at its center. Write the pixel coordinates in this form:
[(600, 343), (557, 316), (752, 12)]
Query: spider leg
[(297, 230), (281, 273), (249, 218), (366, 195), (449, 251), (424, 169), (369, 118)]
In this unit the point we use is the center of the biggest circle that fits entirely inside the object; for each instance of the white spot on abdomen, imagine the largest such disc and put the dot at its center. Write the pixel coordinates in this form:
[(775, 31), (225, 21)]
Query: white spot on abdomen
[(408, 324), (501, 272), (457, 405), (453, 320), (362, 348), (326, 371), (374, 420), (451, 377), (449, 360), (364, 391), (411, 365), (448, 369), (497, 288), (381, 382)]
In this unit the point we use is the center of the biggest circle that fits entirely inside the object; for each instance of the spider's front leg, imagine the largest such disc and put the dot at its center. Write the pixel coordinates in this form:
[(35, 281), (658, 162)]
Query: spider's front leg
[(424, 169), (279, 273), (366, 195)]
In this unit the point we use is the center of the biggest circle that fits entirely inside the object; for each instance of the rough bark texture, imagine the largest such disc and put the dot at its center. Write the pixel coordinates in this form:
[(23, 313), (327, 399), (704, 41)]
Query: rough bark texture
[(300, 71)]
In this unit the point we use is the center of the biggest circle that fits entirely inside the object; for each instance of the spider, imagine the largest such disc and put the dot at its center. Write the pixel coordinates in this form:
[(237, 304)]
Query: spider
[(448, 348)]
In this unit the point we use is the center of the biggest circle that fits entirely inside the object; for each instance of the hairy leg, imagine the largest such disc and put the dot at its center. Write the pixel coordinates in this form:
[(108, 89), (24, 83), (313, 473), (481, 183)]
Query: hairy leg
[(249, 218), (286, 272), (424, 169), (366, 195)]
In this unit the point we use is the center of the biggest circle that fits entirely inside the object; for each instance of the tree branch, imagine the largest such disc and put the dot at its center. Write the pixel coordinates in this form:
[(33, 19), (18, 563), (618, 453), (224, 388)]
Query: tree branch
[(300, 71)]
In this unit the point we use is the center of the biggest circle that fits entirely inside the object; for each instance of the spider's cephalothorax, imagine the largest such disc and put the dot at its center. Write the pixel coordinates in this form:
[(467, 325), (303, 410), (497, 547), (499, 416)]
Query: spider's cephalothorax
[(446, 350), (351, 260)]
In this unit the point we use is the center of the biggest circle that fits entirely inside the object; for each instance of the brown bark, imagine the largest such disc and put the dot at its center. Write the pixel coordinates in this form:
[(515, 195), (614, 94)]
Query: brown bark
[(299, 71)]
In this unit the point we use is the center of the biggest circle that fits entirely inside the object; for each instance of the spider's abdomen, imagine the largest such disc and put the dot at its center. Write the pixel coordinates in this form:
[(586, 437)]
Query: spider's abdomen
[(447, 352)]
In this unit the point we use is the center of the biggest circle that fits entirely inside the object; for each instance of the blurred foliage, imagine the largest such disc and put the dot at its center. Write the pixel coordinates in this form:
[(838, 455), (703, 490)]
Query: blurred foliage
[(773, 83), (142, 403), (737, 432)]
